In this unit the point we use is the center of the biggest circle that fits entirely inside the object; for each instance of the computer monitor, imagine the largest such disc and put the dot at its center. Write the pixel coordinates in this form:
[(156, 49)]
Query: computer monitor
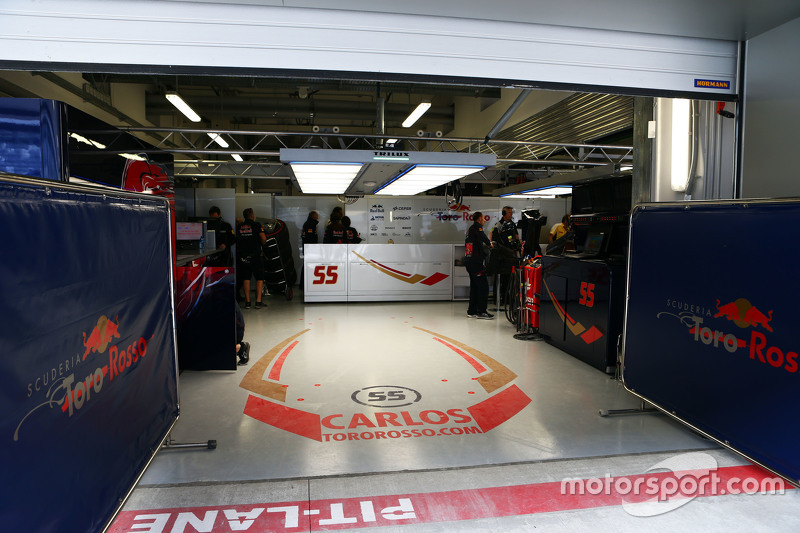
[(188, 231), (594, 244)]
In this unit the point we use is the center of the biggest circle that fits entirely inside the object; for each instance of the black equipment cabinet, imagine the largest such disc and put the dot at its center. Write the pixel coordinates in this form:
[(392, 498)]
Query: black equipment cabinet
[(583, 308)]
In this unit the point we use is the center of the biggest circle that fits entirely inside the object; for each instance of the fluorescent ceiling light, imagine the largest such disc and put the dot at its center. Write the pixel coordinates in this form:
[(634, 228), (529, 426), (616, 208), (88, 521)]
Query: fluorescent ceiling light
[(219, 140), (183, 107), (625, 168), (423, 177), (418, 112), (542, 192), (237, 157), (133, 157), (324, 178), (391, 142), (679, 168)]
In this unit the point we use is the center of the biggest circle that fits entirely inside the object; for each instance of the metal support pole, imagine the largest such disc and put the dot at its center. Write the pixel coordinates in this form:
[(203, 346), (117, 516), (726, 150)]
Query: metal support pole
[(170, 444)]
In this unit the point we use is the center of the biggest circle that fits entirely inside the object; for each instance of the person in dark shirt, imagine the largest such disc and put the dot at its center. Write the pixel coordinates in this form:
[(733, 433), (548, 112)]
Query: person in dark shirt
[(351, 235), (225, 238), (250, 237), (308, 235), (506, 250), (334, 231), (477, 247)]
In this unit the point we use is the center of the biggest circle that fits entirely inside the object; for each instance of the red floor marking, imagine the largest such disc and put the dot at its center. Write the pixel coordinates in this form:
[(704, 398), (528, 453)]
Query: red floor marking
[(495, 410), (468, 358), (432, 507), (277, 366), (285, 418)]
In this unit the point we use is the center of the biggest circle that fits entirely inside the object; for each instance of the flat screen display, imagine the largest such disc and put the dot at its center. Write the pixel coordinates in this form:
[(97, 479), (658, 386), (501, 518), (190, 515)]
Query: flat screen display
[(188, 231)]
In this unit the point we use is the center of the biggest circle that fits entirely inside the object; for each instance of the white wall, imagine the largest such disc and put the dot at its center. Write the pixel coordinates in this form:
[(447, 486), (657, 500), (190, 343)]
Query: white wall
[(772, 114)]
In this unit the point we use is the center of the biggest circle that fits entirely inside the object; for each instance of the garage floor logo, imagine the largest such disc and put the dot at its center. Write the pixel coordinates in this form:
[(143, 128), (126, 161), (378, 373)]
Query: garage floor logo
[(392, 414)]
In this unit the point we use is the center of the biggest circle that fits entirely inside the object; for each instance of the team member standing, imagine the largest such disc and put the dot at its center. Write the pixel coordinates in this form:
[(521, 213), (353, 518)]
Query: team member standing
[(351, 235), (334, 232), (477, 246), (224, 236), (506, 250), (308, 235), (250, 237)]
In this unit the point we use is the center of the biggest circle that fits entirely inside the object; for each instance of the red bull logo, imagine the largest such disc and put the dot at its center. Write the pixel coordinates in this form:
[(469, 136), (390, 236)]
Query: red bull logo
[(744, 314), (101, 335), (458, 207)]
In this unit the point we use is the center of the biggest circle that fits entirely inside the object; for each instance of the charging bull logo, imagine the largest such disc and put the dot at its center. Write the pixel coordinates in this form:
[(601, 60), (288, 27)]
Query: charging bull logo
[(101, 335), (744, 314), (145, 176)]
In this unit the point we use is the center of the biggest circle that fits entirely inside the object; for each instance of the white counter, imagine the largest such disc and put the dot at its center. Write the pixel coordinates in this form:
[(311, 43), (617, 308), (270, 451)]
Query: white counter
[(377, 272)]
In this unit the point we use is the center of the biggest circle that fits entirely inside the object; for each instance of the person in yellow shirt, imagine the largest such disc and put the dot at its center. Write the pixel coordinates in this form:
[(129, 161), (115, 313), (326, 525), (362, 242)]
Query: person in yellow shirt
[(560, 229)]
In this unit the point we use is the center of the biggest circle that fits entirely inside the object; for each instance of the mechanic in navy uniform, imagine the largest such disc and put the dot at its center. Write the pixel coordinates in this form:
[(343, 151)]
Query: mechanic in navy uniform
[(334, 232), (505, 255), (308, 235), (225, 238), (351, 235), (250, 237), (477, 246)]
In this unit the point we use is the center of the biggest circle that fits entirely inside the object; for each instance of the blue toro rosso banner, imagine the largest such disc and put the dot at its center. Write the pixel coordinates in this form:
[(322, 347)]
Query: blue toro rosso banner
[(88, 377), (711, 332)]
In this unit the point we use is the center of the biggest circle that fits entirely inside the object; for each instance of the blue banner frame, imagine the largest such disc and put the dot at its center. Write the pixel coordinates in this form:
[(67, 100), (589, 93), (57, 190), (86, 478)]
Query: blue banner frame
[(88, 365), (710, 333)]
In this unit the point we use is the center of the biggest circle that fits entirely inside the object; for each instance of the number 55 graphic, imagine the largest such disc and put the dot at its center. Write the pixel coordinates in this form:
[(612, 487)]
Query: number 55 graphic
[(325, 275), (587, 294)]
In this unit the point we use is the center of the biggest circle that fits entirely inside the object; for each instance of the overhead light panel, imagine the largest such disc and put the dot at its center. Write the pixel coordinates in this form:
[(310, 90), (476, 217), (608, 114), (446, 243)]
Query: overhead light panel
[(324, 178), (419, 178), (183, 107), (416, 114), (237, 157), (541, 192), (219, 140)]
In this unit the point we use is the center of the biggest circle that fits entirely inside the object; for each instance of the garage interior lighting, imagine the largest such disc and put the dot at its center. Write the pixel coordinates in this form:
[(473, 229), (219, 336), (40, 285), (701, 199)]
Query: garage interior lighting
[(182, 106), (419, 178), (219, 140), (237, 157), (416, 114), (543, 192), (679, 167), (324, 178)]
